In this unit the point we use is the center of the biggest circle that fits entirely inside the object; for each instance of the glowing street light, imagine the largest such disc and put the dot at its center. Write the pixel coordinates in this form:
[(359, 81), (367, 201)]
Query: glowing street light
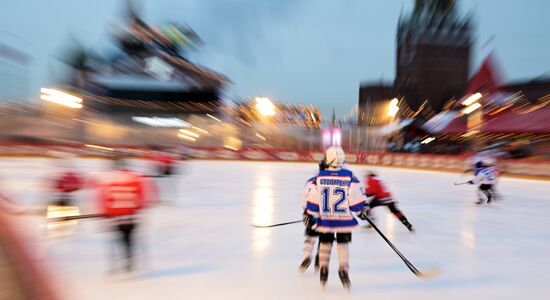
[(185, 137), (188, 132), (471, 108), (265, 106), (261, 137), (393, 108), (60, 97), (471, 99), (428, 140)]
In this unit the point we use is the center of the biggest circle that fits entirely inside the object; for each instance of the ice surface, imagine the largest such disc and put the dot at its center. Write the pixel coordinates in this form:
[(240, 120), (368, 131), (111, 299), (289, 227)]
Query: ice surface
[(199, 244)]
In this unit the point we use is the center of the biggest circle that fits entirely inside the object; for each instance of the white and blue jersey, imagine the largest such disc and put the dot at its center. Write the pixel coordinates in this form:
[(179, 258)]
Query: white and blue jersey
[(331, 197), (485, 176)]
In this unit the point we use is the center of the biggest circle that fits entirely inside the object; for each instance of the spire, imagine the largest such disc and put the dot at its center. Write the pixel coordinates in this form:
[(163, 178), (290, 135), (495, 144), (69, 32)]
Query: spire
[(434, 7), (333, 121)]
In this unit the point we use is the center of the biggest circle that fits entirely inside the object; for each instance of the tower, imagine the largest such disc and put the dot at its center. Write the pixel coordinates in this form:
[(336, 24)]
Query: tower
[(433, 53)]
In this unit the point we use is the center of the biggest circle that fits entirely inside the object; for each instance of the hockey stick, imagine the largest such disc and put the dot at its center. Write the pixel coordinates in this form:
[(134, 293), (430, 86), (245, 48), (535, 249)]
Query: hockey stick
[(78, 217), (461, 183), (279, 224), (427, 274)]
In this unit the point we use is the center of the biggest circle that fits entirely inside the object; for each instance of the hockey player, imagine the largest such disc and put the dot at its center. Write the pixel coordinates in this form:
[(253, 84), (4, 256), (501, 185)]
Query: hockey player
[(484, 179), (379, 196), (332, 196), (311, 234), (65, 183), (122, 195)]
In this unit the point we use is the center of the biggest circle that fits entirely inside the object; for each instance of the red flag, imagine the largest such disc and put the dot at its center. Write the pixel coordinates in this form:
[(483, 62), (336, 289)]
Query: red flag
[(486, 80)]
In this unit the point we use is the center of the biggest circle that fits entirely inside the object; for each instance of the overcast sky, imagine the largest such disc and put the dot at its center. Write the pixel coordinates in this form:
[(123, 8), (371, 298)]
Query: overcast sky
[(298, 51)]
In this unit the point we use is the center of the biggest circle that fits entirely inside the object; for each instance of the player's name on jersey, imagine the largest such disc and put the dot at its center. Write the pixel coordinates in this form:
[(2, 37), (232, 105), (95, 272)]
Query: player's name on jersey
[(339, 182)]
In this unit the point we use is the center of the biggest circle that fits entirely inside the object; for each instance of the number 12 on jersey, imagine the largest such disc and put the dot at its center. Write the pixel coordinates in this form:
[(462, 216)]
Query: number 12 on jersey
[(333, 204)]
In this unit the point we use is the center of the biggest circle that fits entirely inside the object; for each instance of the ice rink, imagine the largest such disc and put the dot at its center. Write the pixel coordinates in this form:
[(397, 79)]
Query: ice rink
[(199, 242)]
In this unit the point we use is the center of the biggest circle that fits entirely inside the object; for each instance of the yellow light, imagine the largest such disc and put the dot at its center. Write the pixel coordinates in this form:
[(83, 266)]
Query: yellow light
[(471, 99), (427, 140), (312, 116), (199, 129), (471, 108), (260, 136), (99, 147), (60, 97), (183, 136), (393, 108), (230, 148), (191, 133), (470, 133), (265, 106), (211, 116)]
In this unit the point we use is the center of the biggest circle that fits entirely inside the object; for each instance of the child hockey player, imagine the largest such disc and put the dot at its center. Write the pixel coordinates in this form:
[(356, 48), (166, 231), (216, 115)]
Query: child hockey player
[(122, 195), (484, 179), (332, 196), (380, 196), (65, 182), (311, 234)]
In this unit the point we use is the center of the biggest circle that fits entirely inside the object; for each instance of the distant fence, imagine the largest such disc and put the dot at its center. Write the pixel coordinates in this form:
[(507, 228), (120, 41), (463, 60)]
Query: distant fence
[(529, 167)]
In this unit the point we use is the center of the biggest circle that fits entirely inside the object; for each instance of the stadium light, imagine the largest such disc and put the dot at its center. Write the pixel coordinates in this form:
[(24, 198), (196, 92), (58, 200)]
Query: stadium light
[(60, 97), (185, 137), (471, 108), (214, 118), (265, 106), (471, 99), (161, 122), (261, 137), (190, 133), (428, 140), (99, 147), (200, 129), (393, 108)]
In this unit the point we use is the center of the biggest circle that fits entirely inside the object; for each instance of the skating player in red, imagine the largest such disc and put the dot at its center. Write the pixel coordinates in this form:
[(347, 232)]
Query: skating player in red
[(123, 194), (378, 195), (64, 185), (164, 163)]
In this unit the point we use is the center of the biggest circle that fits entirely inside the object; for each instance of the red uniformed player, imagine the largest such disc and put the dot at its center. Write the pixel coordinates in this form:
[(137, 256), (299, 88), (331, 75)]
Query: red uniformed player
[(164, 162), (65, 184), (123, 194), (379, 196)]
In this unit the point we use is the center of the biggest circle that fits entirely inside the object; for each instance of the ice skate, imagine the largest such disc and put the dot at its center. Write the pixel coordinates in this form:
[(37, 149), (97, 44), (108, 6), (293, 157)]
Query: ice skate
[(323, 276), (344, 277), (305, 264)]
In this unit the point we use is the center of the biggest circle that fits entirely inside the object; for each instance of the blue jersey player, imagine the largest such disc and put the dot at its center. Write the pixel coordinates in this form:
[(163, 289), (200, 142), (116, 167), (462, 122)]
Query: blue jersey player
[(332, 197), (485, 178)]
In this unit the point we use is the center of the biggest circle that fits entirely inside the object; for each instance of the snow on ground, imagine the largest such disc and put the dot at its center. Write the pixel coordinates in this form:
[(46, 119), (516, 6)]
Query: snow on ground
[(199, 244)]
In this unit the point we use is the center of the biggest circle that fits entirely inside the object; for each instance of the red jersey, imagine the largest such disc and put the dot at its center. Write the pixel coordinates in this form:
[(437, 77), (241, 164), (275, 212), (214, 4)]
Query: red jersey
[(162, 158), (68, 182), (123, 193), (376, 188)]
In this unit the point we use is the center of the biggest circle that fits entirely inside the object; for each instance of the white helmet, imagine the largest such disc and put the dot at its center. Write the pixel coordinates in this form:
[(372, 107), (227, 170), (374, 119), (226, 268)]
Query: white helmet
[(335, 157)]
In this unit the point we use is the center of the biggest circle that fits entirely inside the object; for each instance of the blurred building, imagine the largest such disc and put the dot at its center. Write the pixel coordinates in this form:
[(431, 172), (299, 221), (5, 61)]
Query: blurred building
[(14, 72), (150, 77), (149, 89), (284, 114), (432, 64)]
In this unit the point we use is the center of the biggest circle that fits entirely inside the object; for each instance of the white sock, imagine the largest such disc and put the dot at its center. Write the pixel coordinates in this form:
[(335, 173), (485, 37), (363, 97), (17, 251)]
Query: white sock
[(343, 255), (324, 254), (308, 246)]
